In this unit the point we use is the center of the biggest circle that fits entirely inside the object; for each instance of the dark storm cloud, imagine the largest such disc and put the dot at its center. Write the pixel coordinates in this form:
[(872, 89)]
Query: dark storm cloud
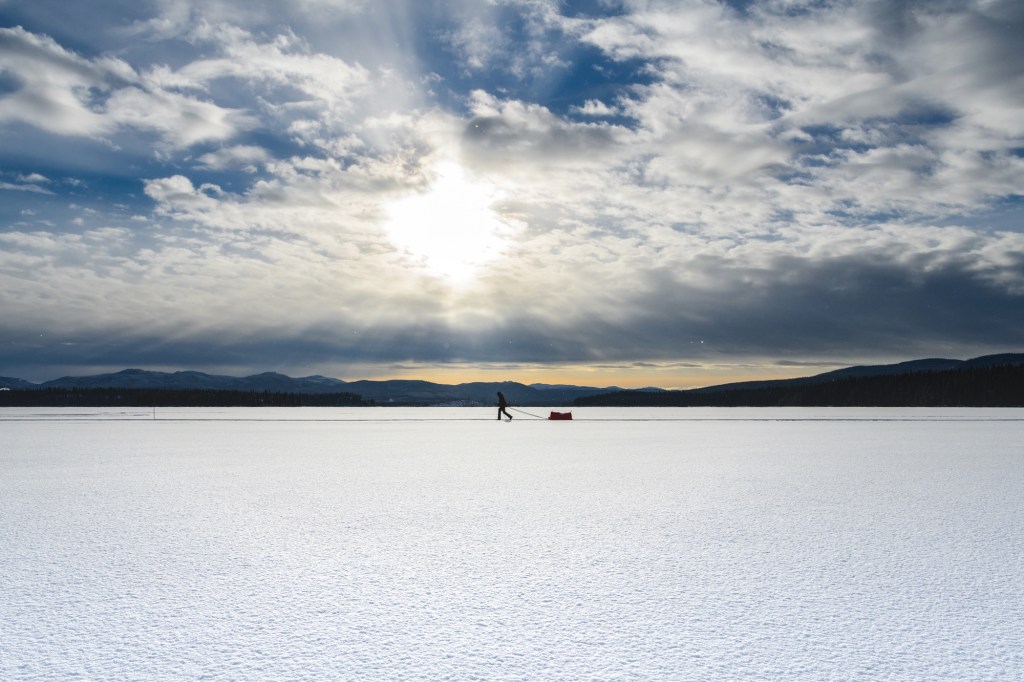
[(788, 308), (793, 307)]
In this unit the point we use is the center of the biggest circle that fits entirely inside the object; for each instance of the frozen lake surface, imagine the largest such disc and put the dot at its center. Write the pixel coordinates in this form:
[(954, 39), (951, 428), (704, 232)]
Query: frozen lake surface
[(390, 543)]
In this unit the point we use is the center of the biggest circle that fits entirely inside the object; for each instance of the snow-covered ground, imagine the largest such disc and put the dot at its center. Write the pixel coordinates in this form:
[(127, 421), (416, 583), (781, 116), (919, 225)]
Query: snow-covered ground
[(384, 543)]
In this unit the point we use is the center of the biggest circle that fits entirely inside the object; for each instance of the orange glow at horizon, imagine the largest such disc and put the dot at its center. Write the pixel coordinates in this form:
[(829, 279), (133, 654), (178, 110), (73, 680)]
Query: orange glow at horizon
[(625, 377)]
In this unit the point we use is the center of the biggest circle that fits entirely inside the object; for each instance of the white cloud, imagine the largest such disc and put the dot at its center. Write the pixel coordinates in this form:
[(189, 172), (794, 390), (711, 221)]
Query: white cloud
[(736, 94), (24, 188), (56, 89), (593, 107), (180, 121), (282, 61), (246, 157), (479, 42), (484, 38), (177, 18), (64, 93), (177, 194)]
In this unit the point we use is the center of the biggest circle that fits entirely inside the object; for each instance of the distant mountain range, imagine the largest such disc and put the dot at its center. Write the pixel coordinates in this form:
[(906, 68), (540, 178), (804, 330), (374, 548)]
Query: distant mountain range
[(990, 381), (391, 392), (909, 367), (414, 392)]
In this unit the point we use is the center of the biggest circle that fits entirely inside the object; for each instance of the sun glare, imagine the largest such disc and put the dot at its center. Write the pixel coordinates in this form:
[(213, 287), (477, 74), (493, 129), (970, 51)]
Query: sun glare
[(452, 228)]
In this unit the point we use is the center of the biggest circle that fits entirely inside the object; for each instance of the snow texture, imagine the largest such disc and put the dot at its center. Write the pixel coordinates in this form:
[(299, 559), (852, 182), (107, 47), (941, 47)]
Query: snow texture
[(393, 544)]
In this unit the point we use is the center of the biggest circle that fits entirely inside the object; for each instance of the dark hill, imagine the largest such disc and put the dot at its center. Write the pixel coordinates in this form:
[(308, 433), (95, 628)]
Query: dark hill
[(12, 383), (412, 392), (990, 381), (392, 392), (841, 387), (145, 379)]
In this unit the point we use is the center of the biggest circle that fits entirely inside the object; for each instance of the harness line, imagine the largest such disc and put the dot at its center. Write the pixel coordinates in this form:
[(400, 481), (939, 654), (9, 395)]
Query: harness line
[(535, 416)]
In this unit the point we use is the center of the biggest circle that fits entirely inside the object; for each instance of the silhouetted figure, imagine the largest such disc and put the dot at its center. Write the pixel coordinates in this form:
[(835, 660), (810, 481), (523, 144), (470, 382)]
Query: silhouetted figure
[(502, 404)]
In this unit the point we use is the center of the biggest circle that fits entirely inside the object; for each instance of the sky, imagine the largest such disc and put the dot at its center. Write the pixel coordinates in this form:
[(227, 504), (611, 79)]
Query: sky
[(599, 192)]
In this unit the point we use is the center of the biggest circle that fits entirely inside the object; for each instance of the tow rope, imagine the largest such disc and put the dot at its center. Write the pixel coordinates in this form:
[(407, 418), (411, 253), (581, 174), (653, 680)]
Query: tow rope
[(535, 416)]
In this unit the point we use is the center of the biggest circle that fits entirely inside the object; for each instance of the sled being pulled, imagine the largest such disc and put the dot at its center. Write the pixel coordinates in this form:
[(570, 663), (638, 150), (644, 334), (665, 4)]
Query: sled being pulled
[(560, 415)]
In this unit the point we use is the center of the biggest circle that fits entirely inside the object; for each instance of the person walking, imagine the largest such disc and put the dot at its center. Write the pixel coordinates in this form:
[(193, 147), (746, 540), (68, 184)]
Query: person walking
[(502, 404)]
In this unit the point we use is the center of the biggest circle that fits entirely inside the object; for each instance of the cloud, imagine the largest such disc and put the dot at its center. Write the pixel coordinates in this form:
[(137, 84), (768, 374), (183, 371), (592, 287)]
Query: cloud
[(593, 107), (179, 120), (331, 82), (479, 42), (64, 93), (246, 157), (30, 187), (735, 94), (814, 181), (517, 135), (177, 18), (179, 192), (515, 37), (54, 88)]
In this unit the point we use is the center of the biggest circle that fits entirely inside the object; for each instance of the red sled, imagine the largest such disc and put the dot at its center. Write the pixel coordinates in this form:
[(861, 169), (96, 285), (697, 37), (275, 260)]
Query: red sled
[(560, 415)]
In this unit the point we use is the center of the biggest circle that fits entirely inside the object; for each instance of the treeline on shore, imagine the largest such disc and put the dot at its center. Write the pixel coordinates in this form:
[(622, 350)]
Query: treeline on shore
[(999, 386), (164, 397)]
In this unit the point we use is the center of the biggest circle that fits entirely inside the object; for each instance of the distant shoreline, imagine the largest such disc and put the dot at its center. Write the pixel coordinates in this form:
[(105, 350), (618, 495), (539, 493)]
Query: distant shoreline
[(987, 381), (995, 386)]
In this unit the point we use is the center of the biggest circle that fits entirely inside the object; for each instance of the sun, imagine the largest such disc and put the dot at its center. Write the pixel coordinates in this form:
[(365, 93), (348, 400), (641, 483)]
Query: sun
[(451, 229)]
